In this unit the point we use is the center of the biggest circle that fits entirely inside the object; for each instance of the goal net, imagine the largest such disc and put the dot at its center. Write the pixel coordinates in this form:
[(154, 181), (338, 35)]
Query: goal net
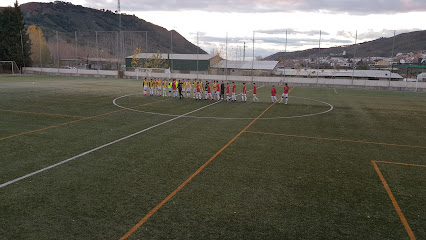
[(9, 67), (152, 72)]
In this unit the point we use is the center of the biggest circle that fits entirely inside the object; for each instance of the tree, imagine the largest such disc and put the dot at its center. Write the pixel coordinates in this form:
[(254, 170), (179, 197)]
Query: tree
[(155, 61), (361, 65), (40, 52), (15, 44)]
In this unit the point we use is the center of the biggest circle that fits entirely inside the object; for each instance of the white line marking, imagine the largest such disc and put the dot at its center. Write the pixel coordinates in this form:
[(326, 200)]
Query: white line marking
[(173, 115), (224, 118), (100, 147)]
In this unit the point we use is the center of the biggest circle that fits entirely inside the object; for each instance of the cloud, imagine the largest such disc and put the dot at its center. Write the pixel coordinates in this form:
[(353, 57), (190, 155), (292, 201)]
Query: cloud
[(266, 45), (373, 34), (361, 7), (292, 31)]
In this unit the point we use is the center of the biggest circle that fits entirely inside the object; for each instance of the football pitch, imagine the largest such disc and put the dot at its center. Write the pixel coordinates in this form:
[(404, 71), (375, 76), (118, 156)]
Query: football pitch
[(91, 158)]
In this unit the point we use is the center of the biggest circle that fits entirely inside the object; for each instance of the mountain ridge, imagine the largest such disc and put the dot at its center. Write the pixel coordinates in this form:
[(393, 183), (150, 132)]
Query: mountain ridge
[(381, 47)]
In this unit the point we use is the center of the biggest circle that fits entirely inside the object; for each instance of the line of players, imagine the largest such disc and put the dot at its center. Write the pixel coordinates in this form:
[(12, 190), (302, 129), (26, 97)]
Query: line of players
[(175, 88)]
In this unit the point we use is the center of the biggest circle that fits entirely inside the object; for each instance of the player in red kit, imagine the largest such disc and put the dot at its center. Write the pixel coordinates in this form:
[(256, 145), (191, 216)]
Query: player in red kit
[(174, 87), (244, 94), (198, 94), (285, 94), (227, 91), (234, 90), (218, 91), (209, 92), (254, 93), (273, 94)]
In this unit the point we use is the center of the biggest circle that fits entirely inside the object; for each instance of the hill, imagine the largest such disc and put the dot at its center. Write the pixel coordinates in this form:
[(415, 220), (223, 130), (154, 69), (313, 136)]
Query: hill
[(68, 18), (382, 47)]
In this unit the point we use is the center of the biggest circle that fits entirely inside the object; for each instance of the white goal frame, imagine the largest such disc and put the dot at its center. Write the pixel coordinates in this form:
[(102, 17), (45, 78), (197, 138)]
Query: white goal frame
[(147, 72), (14, 66)]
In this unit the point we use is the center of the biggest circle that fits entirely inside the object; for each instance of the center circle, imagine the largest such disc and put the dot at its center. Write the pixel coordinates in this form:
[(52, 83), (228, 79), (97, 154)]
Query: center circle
[(227, 118)]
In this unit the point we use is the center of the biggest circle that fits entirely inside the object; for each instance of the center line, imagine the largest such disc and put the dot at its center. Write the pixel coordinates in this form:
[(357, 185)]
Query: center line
[(155, 209)]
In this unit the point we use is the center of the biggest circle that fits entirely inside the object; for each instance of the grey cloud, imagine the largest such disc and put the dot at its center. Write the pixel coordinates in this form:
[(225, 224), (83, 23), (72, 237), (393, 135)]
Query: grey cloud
[(361, 7)]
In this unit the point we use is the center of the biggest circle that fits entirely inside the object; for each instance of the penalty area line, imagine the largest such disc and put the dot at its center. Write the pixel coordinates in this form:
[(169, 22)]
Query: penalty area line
[(394, 202), (338, 140), (100, 147)]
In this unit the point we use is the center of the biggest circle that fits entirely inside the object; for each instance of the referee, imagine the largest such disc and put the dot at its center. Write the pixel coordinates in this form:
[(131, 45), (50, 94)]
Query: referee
[(180, 90), (222, 90)]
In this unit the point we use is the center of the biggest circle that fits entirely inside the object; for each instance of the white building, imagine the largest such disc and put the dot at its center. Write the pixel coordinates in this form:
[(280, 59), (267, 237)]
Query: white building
[(341, 74), (247, 68), (421, 77)]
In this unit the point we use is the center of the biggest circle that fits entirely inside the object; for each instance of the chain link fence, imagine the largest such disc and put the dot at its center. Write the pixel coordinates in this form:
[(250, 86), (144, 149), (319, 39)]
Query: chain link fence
[(100, 50)]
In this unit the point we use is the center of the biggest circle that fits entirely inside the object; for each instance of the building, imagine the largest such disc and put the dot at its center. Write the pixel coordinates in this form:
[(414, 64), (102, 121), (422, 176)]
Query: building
[(341, 74), (247, 68), (421, 77), (178, 63)]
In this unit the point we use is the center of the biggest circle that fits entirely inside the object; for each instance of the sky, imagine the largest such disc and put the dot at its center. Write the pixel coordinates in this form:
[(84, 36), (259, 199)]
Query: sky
[(277, 25)]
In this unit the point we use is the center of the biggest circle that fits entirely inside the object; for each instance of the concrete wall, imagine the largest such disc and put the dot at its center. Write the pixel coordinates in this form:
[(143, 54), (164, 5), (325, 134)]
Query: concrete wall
[(71, 72), (307, 82)]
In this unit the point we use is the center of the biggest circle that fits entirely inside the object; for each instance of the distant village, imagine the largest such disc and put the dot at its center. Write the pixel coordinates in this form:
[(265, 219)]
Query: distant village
[(363, 63)]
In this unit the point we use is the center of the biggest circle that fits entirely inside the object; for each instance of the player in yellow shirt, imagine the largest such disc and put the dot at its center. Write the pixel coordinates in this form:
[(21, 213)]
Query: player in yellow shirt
[(169, 86), (188, 88), (151, 87), (154, 87), (194, 88), (159, 87), (214, 90), (145, 86), (202, 87), (164, 88), (177, 84)]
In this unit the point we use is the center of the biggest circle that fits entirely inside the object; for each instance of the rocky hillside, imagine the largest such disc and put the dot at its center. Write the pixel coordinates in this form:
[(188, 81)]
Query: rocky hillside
[(67, 18)]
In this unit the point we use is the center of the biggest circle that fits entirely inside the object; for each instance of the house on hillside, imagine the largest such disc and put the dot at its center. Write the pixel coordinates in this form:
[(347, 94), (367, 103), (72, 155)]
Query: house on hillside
[(178, 63), (246, 68)]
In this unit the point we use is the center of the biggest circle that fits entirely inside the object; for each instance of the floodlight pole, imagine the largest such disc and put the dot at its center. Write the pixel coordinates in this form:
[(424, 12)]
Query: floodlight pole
[(353, 67), (76, 51), (97, 52), (41, 63), (319, 49), (252, 62), (171, 53), (226, 59), (197, 55), (120, 37), (22, 47), (393, 46), (244, 52), (57, 48), (417, 81), (285, 52)]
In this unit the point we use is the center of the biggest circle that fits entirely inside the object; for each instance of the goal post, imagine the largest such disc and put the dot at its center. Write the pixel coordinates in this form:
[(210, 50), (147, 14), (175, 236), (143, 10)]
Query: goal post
[(9, 67), (150, 72)]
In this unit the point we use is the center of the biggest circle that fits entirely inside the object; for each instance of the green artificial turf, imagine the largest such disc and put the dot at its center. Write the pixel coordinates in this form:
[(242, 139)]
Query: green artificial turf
[(287, 177)]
